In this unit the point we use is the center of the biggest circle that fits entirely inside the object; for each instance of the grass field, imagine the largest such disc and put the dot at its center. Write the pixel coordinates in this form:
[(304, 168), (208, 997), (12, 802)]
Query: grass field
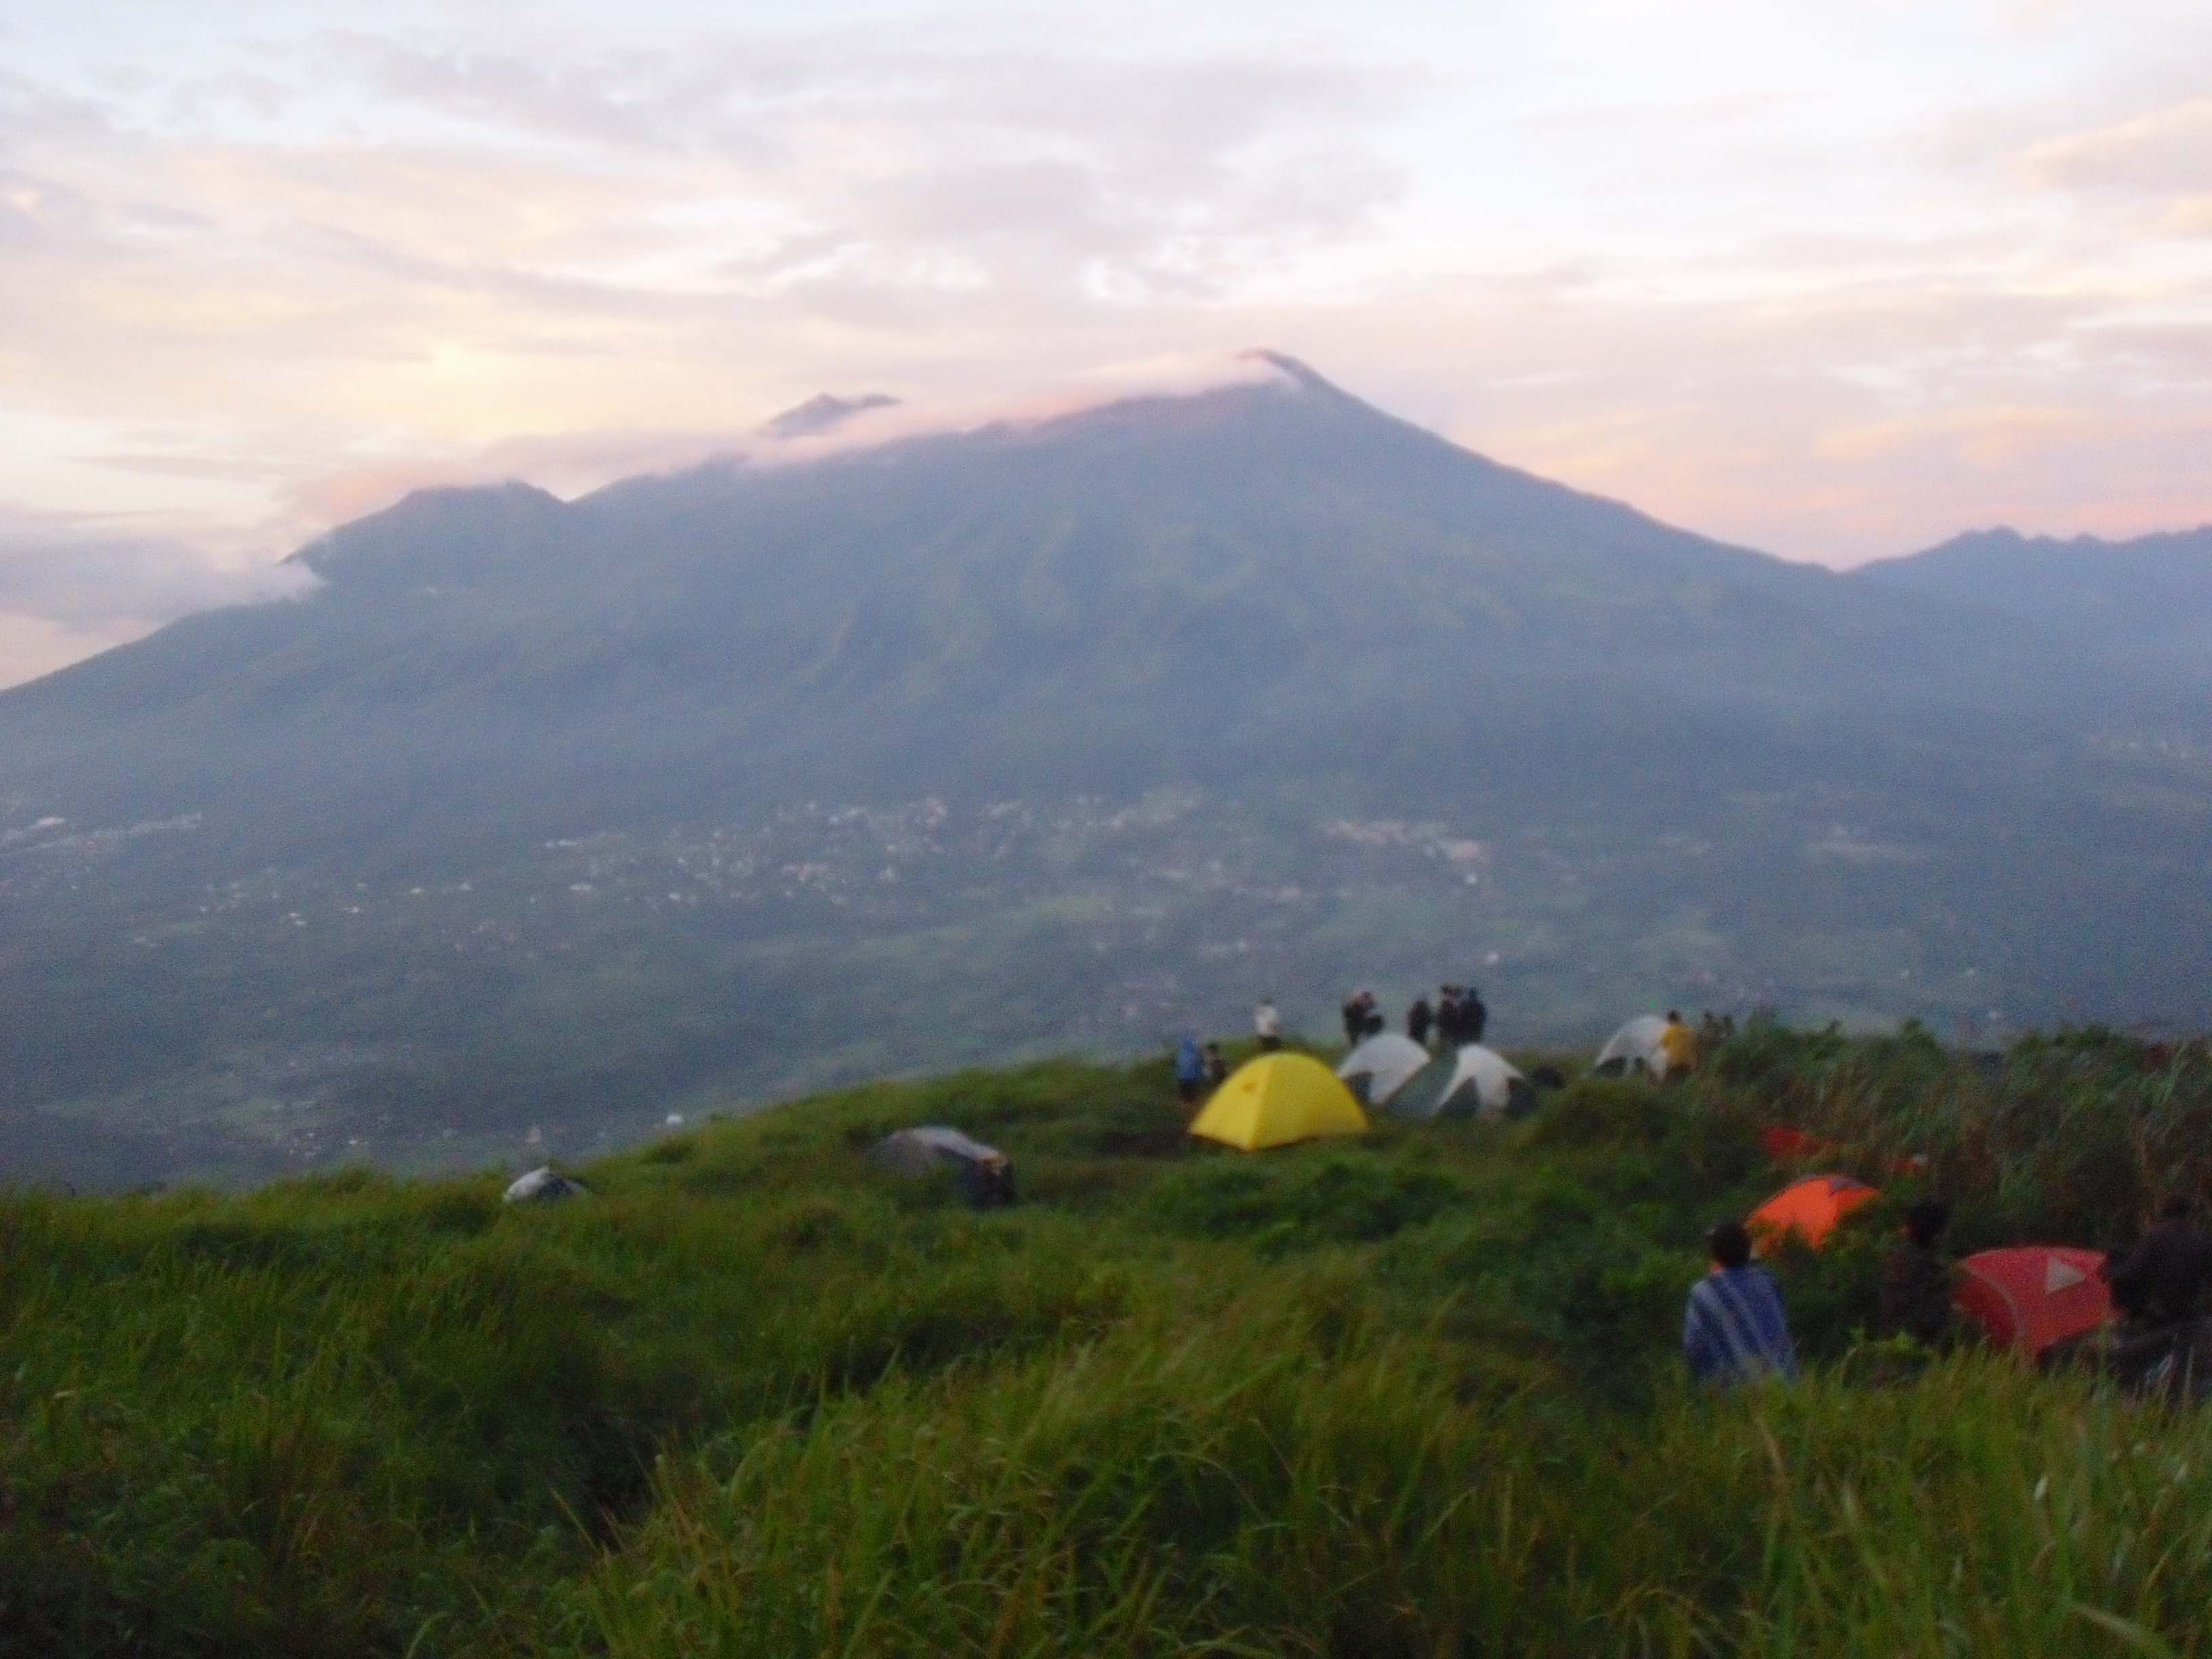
[(1412, 1395)]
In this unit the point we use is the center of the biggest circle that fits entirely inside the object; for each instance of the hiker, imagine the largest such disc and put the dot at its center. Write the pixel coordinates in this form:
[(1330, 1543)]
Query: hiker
[(1189, 1071), (1448, 1017), (1267, 1025), (1375, 1021), (2160, 1283), (1733, 1329), (1217, 1068), (1474, 1016), (1916, 1282), (1419, 1019), (1679, 1043), (1354, 1014)]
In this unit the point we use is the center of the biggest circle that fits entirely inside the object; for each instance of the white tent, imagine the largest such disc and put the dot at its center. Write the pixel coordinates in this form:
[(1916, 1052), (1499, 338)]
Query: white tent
[(542, 1184), (1378, 1068), (1638, 1046), (984, 1175), (1469, 1082)]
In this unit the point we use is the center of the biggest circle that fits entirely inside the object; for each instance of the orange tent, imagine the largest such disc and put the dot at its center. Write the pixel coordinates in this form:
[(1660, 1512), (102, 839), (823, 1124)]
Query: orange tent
[(2033, 1296), (1810, 1208)]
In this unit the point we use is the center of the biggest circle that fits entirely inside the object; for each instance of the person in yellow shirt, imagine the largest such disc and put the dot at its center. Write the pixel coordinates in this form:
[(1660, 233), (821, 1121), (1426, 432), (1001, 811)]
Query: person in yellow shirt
[(1679, 1043)]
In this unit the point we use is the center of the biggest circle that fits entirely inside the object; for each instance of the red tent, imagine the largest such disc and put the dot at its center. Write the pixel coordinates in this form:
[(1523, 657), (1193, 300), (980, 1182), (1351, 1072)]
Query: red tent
[(1784, 1141), (1810, 1208), (2032, 1297)]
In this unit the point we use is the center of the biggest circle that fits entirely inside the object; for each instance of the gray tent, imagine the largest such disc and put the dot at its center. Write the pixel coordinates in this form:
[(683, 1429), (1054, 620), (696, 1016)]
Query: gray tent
[(985, 1174), (1638, 1048), (1378, 1068), (542, 1186), (1469, 1082)]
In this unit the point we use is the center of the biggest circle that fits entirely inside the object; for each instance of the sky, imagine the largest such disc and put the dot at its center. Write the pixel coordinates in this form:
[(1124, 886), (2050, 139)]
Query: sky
[(1835, 281)]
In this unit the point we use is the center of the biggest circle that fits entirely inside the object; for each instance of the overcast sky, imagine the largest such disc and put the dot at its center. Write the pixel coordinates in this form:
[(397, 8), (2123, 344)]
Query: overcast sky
[(1833, 281)]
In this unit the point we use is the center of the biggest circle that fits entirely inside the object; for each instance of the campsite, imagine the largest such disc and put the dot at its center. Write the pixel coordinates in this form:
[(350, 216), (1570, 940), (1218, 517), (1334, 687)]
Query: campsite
[(769, 1389)]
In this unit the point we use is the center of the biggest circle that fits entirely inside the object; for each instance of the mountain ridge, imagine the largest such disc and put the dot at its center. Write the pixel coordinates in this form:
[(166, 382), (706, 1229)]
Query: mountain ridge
[(1057, 732)]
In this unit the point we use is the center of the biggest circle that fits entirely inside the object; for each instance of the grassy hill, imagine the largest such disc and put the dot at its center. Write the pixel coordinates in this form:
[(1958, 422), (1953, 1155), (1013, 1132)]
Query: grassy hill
[(1413, 1395)]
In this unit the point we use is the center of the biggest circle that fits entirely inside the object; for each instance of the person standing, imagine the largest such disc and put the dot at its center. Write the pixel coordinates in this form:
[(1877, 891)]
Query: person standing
[(1419, 1019), (1216, 1067), (1267, 1025), (1354, 1014), (1474, 1016), (1448, 1018), (1733, 1327), (1189, 1071)]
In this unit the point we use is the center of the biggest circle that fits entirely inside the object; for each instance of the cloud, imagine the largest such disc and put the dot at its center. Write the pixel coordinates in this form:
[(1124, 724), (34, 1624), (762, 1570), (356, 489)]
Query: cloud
[(1835, 282), (86, 577), (572, 464)]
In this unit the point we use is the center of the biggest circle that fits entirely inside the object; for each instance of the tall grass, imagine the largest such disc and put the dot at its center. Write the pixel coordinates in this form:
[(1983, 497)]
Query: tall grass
[(1266, 1484), (1413, 1395)]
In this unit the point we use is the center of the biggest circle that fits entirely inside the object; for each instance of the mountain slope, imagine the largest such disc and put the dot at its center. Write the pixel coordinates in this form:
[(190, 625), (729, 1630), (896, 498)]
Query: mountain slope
[(1072, 732), (2144, 600)]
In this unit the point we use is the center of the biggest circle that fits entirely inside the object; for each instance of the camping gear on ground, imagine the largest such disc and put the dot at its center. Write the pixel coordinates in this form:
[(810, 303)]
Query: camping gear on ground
[(984, 1174), (1378, 1068), (1468, 1082), (542, 1185), (1275, 1100), (1640, 1046), (1810, 1208), (2033, 1295)]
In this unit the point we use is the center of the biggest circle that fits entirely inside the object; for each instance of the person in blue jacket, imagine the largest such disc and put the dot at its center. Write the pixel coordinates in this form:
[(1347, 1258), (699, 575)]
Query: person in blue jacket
[(1189, 1071), (1734, 1330)]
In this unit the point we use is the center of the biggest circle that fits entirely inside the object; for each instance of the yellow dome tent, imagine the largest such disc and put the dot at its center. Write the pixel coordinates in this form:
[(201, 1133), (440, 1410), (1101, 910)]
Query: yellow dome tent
[(1277, 1099)]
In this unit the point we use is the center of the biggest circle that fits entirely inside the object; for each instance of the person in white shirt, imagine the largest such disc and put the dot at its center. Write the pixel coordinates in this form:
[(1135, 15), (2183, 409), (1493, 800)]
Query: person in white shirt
[(1267, 1025)]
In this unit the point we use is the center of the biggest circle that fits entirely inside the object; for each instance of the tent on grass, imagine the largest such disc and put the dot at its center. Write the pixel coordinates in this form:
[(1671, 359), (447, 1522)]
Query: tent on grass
[(1469, 1082), (985, 1174), (1647, 1044), (1275, 1100), (1378, 1068), (542, 1186), (1810, 1208), (2033, 1295), (1784, 1141)]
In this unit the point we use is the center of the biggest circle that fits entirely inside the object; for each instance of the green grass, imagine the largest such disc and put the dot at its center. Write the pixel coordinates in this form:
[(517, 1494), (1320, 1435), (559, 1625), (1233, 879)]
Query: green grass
[(1414, 1394)]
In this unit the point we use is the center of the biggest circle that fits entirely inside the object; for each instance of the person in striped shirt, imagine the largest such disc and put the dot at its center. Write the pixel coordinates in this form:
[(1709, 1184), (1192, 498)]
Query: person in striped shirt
[(1733, 1329)]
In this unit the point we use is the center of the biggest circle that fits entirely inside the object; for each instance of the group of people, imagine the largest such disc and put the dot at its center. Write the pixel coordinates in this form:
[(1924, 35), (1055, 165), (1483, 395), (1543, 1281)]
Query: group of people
[(1457, 1017), (1735, 1329)]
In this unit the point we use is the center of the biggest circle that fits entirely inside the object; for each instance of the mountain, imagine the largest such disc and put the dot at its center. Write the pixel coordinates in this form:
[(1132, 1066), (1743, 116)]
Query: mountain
[(2146, 600), (545, 815)]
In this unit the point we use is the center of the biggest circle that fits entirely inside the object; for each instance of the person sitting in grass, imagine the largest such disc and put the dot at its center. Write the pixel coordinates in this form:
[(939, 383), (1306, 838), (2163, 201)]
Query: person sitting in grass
[(1733, 1329), (1916, 1282), (2160, 1283)]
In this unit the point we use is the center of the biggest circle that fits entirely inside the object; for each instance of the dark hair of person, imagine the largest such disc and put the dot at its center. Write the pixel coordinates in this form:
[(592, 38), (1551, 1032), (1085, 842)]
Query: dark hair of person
[(1729, 1243), (1925, 1221)]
